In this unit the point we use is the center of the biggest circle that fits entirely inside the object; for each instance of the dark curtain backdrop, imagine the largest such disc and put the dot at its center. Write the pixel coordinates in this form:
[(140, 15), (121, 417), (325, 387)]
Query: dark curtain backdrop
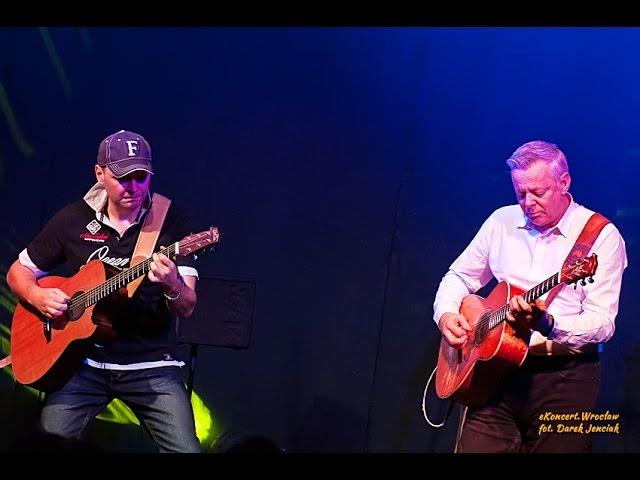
[(346, 169)]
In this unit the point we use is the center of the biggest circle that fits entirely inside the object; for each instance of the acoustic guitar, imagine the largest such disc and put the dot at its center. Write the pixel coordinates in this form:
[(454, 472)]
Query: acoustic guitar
[(495, 347), (45, 352)]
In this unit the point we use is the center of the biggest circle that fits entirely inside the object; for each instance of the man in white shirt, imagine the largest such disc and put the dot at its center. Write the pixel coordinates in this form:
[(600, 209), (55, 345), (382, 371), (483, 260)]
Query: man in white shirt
[(524, 245)]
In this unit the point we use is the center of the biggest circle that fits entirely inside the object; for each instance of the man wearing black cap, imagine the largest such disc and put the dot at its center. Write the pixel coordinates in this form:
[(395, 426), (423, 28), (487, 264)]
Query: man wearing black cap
[(138, 366)]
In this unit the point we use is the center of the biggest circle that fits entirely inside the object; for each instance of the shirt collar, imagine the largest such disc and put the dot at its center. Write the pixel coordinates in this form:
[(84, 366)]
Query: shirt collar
[(563, 225), (96, 198)]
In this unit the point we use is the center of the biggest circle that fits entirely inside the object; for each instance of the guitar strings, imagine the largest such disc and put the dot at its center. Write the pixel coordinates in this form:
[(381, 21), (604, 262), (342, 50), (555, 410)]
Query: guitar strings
[(498, 316), (119, 280)]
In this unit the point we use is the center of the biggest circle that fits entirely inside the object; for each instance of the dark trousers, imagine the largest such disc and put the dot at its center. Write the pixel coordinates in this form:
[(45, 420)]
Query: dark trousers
[(525, 414)]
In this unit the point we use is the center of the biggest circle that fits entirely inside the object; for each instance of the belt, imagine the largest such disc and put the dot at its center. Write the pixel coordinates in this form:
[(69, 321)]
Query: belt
[(550, 347), (552, 363)]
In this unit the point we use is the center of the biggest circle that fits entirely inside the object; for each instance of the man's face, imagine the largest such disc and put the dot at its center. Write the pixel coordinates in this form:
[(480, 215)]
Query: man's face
[(128, 192), (540, 194)]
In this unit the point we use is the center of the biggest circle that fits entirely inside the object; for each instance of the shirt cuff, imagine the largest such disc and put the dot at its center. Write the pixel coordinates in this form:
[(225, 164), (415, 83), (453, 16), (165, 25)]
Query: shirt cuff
[(446, 308), (188, 271), (25, 261)]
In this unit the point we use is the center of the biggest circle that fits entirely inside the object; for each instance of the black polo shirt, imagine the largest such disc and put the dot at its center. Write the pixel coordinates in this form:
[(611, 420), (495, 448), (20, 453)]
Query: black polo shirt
[(145, 326)]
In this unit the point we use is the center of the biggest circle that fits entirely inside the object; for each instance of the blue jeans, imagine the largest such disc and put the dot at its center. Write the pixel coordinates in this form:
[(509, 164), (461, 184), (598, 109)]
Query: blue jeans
[(157, 396)]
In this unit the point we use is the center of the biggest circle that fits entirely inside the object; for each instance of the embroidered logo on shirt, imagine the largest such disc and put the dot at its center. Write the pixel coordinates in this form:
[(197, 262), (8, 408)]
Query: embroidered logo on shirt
[(100, 237), (93, 226)]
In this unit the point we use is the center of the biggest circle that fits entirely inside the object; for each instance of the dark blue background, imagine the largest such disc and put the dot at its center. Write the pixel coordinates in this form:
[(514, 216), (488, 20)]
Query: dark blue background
[(346, 168)]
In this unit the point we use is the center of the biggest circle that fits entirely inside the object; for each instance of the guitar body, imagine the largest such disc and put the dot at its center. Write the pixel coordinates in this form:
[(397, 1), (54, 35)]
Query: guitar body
[(46, 358), (470, 374), (48, 361)]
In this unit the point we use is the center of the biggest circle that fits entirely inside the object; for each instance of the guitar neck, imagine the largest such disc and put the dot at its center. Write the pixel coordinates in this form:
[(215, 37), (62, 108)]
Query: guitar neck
[(123, 278), (529, 296)]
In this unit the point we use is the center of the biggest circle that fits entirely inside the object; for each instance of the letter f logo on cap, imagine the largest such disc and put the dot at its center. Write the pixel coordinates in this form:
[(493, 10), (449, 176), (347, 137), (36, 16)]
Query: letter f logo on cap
[(133, 147)]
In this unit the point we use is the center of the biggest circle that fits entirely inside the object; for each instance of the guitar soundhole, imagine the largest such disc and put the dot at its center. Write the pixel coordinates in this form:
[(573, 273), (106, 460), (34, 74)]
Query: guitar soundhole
[(76, 308), (482, 327)]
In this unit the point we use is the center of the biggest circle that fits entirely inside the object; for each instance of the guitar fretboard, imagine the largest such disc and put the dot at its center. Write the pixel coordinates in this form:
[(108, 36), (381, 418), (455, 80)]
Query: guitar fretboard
[(500, 315), (118, 281)]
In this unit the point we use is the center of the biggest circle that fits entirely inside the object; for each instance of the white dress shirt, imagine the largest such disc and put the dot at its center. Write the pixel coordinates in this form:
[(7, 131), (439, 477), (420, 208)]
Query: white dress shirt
[(508, 248)]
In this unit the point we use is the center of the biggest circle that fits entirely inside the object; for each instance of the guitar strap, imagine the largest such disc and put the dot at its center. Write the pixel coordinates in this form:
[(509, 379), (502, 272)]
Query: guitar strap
[(148, 236), (147, 239), (581, 248)]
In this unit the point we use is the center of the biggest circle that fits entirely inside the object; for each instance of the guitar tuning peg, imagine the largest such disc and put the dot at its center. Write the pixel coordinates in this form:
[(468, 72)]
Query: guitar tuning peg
[(575, 286), (590, 279), (195, 256), (582, 282)]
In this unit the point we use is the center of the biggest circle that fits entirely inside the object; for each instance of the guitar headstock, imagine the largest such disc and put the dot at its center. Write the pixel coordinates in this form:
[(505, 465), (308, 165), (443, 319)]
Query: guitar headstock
[(584, 269), (197, 242)]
